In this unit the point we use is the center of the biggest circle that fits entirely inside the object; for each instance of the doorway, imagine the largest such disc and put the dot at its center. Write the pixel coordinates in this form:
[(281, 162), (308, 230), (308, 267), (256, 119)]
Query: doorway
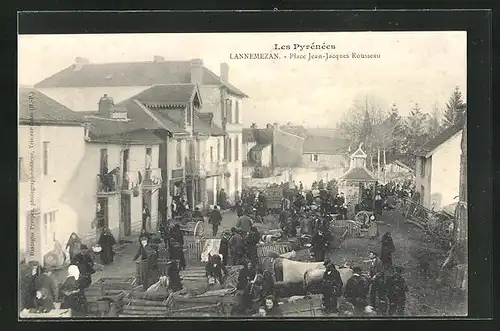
[(146, 201), (102, 216), (125, 219), (125, 163)]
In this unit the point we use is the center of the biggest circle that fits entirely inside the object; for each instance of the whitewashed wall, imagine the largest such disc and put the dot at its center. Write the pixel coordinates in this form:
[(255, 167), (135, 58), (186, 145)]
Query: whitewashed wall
[(445, 177)]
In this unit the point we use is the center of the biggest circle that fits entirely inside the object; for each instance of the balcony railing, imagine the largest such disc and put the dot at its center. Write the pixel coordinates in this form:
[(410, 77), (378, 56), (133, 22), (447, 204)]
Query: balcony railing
[(206, 169), (130, 180), (109, 184), (151, 178)]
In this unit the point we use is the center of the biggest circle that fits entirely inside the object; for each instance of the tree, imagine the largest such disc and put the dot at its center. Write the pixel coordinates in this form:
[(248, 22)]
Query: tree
[(360, 124), (415, 130), (455, 109), (434, 121)]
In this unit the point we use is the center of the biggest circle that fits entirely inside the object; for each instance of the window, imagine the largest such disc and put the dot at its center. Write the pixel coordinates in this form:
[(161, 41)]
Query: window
[(178, 153), (236, 149), (236, 180), (422, 167), (104, 161), (189, 116), (226, 156), (21, 171), (218, 151), (237, 112), (314, 158), (229, 111), (149, 157), (211, 154), (45, 158), (229, 149), (49, 227)]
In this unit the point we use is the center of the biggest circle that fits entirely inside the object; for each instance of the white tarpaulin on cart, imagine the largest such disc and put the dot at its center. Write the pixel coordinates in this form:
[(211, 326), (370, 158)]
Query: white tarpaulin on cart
[(211, 247)]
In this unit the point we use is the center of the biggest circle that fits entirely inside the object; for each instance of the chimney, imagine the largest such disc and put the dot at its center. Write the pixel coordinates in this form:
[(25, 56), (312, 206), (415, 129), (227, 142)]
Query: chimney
[(106, 105), (197, 71), (80, 62), (158, 58), (224, 72)]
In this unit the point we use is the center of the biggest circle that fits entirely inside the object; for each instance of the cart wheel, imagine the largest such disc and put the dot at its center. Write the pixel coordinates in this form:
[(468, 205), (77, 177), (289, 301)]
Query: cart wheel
[(362, 217), (199, 231)]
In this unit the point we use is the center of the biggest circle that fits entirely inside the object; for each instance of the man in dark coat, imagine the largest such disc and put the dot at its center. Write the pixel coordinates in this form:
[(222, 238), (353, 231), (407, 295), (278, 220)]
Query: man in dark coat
[(332, 287), (339, 205), (224, 246), (319, 245), (356, 290), (215, 219), (85, 264), (309, 198), (46, 288), (387, 250), (143, 251), (236, 248), (107, 241), (245, 223), (396, 292), (176, 246), (251, 241)]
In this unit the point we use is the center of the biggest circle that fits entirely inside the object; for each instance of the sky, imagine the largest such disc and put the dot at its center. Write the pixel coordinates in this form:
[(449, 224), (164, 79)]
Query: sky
[(421, 67)]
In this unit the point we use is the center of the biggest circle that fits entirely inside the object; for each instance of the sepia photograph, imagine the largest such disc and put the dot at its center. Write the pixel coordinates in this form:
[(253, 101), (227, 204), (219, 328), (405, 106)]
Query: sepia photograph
[(246, 175)]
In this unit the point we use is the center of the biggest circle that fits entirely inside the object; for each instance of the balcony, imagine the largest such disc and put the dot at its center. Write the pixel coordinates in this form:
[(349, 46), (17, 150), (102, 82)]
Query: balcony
[(130, 180), (151, 178), (206, 169), (109, 184), (216, 168)]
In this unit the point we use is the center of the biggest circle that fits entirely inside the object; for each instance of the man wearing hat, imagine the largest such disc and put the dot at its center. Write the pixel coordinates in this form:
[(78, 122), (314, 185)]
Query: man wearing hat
[(356, 290), (331, 287), (85, 264)]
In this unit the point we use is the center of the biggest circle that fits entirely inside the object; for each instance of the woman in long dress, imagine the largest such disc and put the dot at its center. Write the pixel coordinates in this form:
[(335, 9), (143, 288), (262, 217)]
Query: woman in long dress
[(107, 241), (373, 228), (73, 245), (72, 294)]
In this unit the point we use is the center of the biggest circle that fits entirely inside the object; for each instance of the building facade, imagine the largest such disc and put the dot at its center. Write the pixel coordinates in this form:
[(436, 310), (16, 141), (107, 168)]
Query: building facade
[(77, 87), (51, 146), (437, 174), (325, 153)]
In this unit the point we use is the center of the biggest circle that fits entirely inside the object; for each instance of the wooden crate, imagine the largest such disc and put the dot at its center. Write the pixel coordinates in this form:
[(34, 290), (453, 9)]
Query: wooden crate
[(209, 310)]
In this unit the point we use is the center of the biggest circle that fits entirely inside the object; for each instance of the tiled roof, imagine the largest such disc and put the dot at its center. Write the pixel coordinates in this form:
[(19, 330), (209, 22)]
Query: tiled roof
[(263, 136), (324, 145), (288, 149), (36, 107), (131, 74), (358, 175), (248, 136), (174, 94), (440, 139), (297, 130)]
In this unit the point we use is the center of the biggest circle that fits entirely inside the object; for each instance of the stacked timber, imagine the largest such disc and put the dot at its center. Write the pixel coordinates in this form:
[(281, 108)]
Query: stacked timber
[(104, 297), (211, 304), (143, 304), (309, 306)]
